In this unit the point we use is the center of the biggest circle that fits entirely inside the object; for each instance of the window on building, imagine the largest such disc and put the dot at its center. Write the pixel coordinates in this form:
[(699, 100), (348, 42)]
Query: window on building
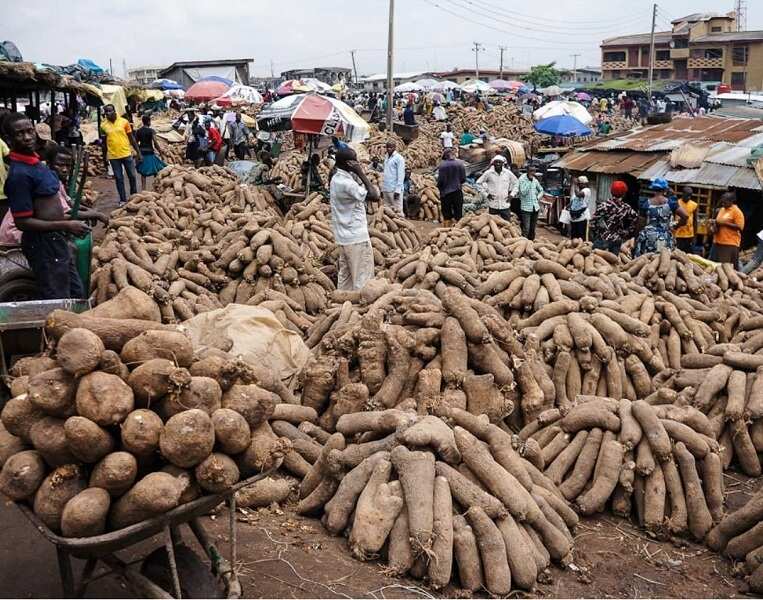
[(681, 43), (716, 29), (614, 57), (740, 55), (662, 55), (707, 53), (739, 80)]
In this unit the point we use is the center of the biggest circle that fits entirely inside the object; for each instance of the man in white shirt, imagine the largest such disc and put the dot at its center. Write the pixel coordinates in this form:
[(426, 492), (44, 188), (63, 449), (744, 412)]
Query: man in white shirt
[(393, 179), (498, 183), (585, 193), (447, 137), (355, 264)]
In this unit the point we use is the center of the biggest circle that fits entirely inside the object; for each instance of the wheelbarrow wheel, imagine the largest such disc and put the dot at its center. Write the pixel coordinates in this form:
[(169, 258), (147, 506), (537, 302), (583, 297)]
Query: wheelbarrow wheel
[(19, 290), (196, 578)]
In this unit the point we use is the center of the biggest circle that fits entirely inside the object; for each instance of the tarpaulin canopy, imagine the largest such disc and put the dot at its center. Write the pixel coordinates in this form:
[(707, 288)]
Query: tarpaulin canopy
[(239, 94), (552, 90), (314, 114), (317, 84), (227, 74), (206, 89), (562, 125), (115, 94), (563, 107), (89, 65)]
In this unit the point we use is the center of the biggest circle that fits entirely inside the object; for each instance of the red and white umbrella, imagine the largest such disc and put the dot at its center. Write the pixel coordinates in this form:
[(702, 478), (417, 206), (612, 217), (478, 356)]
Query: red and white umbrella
[(314, 114)]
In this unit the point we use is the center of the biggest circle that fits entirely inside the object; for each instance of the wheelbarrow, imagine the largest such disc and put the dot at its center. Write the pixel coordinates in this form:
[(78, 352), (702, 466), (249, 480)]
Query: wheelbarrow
[(176, 569)]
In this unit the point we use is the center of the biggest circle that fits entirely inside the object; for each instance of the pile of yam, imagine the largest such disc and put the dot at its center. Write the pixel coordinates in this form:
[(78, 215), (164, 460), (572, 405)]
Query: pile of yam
[(101, 436), (429, 196)]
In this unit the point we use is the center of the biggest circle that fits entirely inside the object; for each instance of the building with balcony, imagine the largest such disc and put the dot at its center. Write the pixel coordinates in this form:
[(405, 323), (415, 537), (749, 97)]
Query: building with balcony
[(143, 75), (329, 75), (700, 47)]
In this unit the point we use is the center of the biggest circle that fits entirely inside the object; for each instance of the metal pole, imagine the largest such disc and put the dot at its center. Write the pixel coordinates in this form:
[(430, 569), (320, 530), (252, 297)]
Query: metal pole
[(390, 44), (574, 67), (651, 51), (502, 49), (477, 48), (354, 68)]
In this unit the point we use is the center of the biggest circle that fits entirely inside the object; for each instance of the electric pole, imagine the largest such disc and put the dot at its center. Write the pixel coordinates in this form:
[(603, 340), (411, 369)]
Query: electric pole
[(651, 51), (574, 68), (741, 14), (390, 43), (502, 49), (354, 68), (477, 49)]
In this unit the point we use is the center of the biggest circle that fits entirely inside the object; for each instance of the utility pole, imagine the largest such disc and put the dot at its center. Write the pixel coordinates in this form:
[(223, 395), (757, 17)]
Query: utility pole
[(574, 67), (390, 44), (272, 76), (741, 14), (502, 49), (651, 51), (354, 68), (111, 68), (477, 49)]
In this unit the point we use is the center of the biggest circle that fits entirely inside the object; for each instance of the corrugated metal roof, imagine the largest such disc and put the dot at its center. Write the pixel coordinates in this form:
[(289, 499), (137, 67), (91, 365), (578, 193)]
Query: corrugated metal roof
[(606, 162), (660, 37), (665, 137), (709, 175), (724, 153)]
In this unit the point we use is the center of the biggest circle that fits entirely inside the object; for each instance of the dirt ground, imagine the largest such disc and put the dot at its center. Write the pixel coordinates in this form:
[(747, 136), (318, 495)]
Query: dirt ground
[(281, 555)]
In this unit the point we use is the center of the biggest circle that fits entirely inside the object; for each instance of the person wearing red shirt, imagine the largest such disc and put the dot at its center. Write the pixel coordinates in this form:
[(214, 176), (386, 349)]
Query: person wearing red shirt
[(215, 142)]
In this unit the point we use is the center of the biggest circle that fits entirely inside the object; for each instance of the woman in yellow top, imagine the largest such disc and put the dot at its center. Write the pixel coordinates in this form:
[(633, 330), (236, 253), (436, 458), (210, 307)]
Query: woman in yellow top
[(684, 234), (727, 228)]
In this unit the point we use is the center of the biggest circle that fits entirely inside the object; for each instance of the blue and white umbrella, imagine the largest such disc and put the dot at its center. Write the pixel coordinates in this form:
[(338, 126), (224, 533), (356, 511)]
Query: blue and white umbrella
[(564, 125)]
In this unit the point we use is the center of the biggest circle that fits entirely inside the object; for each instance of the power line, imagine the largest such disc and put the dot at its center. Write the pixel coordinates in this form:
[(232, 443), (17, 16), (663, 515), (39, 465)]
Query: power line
[(504, 31), (545, 20), (469, 5)]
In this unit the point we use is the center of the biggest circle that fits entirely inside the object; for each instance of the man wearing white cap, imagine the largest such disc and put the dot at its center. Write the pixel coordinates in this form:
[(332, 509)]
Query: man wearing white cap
[(497, 183)]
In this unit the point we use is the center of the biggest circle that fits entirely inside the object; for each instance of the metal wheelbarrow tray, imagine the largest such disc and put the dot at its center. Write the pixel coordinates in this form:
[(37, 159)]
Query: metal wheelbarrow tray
[(102, 547)]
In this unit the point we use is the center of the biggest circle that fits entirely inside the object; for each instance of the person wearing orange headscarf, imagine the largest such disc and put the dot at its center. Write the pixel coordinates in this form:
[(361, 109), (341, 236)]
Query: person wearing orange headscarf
[(614, 221)]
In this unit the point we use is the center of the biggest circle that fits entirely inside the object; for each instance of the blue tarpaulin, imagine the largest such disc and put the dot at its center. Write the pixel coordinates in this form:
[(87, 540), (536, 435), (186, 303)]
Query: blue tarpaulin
[(89, 65)]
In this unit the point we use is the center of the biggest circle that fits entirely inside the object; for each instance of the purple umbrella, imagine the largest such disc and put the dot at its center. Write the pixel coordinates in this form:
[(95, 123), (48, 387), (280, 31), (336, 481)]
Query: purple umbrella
[(501, 85), (583, 96)]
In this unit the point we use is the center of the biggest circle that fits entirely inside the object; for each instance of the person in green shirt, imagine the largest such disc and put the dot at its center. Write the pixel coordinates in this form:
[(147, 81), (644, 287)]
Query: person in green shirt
[(605, 128), (466, 138)]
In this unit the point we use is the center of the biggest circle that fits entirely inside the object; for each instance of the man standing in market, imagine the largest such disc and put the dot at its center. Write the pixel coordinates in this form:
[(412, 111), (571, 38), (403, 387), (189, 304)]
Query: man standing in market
[(727, 228), (117, 144), (451, 175), (529, 191), (355, 264), (498, 182), (32, 189), (447, 137), (238, 134), (393, 178)]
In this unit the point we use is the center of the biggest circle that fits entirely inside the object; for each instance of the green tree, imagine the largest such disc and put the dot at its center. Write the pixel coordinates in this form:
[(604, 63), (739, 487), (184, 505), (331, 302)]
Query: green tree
[(541, 76)]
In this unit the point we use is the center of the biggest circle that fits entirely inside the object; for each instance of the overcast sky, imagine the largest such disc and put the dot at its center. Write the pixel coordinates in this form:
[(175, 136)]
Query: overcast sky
[(429, 34)]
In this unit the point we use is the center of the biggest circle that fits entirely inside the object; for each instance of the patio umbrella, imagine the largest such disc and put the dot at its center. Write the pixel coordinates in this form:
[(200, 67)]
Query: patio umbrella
[(552, 90), (293, 86), (317, 84), (582, 96), (501, 85), (408, 87), (165, 84), (206, 89), (476, 85), (563, 107), (427, 84), (562, 125), (239, 94), (446, 85), (314, 114)]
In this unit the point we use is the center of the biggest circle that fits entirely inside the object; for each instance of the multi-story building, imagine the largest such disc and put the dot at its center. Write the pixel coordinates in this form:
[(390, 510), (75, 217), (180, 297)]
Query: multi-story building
[(581, 75), (329, 75), (143, 75), (700, 47)]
